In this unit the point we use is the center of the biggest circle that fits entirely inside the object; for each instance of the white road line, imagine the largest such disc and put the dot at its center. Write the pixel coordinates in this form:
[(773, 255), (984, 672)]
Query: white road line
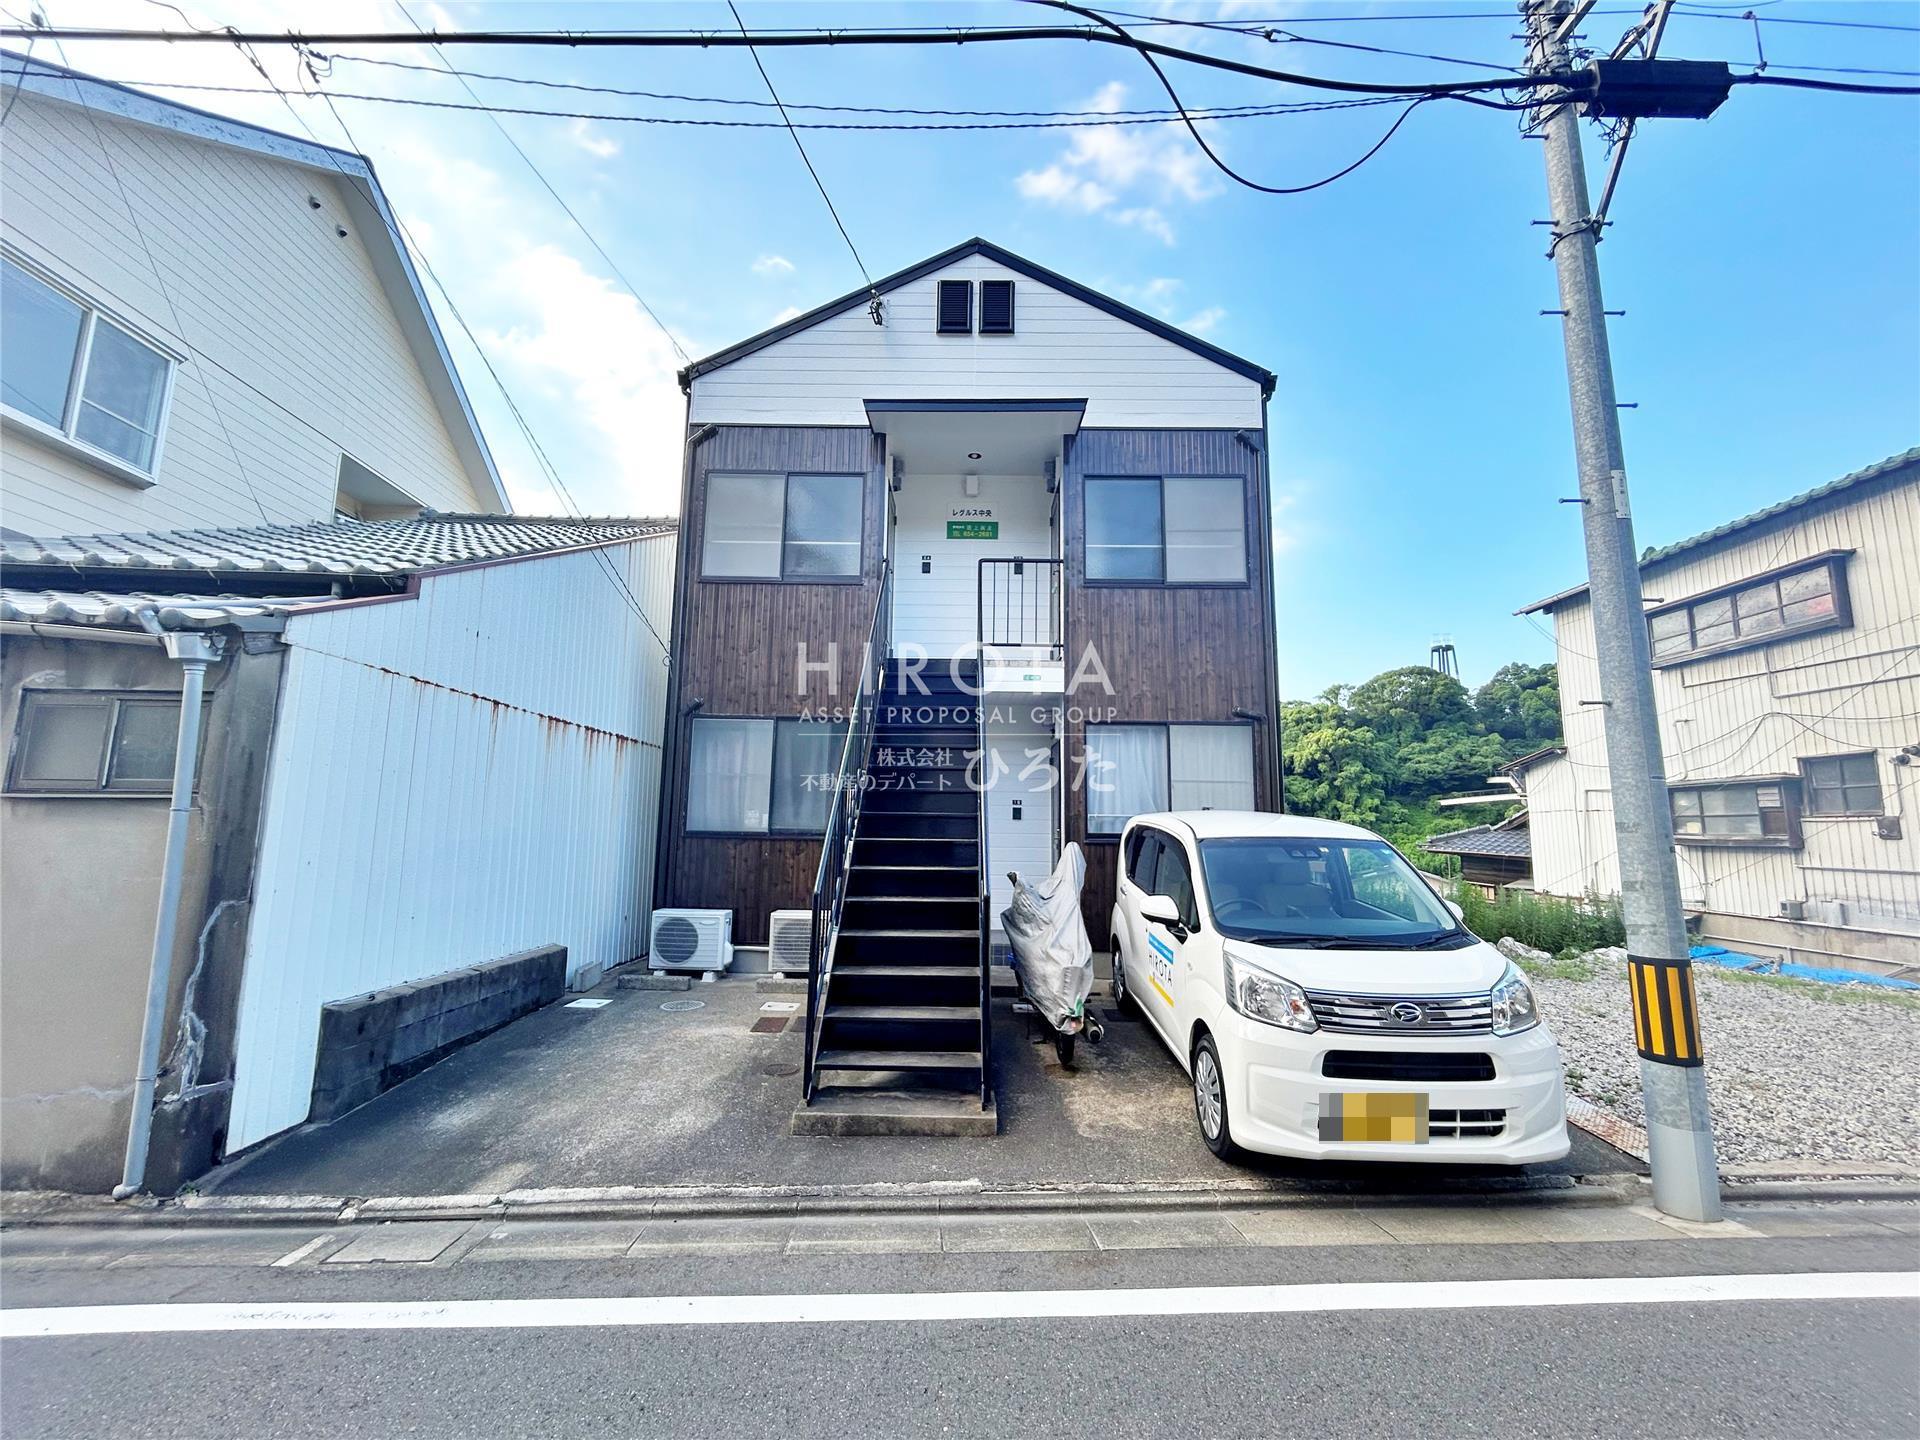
[(294, 1257), (954, 1305)]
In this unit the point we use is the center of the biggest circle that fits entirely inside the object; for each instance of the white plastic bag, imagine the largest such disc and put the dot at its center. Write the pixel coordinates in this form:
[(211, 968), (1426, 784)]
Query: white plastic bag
[(1051, 951)]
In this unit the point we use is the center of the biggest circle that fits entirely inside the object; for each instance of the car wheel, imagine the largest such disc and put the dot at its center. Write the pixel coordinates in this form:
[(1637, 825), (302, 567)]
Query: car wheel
[(1121, 999), (1210, 1100)]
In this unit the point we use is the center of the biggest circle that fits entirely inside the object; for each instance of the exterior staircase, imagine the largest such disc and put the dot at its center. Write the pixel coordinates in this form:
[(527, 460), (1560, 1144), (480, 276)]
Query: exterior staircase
[(904, 1037)]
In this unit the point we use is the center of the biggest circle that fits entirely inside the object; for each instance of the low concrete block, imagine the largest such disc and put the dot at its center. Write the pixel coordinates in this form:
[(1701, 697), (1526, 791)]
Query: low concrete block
[(646, 980), (371, 1043)]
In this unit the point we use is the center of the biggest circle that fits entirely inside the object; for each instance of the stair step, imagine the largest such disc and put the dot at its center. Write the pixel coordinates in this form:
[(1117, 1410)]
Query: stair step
[(897, 1060), (912, 934), (904, 1012), (909, 972), (909, 869)]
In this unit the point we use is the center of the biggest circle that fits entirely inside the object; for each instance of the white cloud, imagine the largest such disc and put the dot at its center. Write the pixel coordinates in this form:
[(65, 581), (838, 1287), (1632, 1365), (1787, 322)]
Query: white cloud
[(601, 147), (771, 265), (1104, 166), (792, 312), (1203, 322)]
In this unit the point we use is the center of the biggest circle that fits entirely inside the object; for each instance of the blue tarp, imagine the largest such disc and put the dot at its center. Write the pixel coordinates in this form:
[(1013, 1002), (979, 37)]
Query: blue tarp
[(1734, 960)]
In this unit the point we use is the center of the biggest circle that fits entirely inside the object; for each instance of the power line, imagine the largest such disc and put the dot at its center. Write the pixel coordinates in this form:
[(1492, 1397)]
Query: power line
[(807, 160), (579, 224), (1843, 87)]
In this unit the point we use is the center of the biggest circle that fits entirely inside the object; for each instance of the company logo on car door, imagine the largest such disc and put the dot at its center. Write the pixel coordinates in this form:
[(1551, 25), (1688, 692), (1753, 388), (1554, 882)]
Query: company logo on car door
[(1162, 974)]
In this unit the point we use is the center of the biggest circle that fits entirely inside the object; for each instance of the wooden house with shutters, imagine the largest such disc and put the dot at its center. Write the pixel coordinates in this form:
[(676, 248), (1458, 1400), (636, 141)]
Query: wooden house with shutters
[(974, 563)]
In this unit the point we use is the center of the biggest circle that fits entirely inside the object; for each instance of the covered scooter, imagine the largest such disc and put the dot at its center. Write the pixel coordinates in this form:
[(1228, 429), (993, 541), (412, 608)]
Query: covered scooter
[(1052, 956)]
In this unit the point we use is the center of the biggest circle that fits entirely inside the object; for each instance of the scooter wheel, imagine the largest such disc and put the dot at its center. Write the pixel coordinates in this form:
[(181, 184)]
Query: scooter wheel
[(1063, 1047)]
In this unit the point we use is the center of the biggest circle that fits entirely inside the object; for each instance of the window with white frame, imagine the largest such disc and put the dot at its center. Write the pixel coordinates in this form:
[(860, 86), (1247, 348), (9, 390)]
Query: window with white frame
[(68, 367), (758, 777), (1137, 769), (1842, 785), (1788, 602), (1172, 530), (80, 742), (783, 527)]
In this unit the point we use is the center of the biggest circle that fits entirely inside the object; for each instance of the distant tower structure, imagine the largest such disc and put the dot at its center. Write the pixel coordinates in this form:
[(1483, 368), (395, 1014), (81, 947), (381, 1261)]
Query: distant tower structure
[(1442, 658)]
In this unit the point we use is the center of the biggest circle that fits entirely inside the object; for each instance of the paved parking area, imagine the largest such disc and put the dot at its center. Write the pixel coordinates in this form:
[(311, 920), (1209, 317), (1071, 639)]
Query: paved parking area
[(631, 1093)]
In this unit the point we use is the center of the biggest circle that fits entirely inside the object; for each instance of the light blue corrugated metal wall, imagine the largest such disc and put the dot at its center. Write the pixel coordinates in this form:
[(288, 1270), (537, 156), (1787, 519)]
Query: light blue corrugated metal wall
[(454, 778)]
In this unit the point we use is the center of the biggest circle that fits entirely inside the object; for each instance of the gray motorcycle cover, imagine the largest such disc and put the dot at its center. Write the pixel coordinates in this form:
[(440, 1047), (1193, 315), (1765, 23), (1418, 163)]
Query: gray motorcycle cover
[(1051, 951)]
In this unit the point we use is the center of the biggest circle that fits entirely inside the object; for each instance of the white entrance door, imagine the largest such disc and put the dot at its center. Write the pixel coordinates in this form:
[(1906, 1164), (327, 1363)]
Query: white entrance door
[(941, 533)]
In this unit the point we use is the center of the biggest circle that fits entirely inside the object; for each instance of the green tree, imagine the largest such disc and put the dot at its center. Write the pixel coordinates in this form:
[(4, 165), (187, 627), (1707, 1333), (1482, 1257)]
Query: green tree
[(1410, 701), (1443, 761), (1334, 767), (1521, 703)]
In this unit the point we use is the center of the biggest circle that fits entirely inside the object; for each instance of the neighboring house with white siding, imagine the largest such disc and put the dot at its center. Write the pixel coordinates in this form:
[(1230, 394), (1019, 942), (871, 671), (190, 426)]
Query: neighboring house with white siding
[(1786, 655), (422, 798), (208, 323)]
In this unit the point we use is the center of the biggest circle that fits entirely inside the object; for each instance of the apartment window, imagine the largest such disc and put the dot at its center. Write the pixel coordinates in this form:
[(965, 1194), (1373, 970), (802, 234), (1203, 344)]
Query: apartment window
[(67, 367), (1755, 612), (760, 777), (1761, 813), (783, 527), (79, 742), (1842, 785), (953, 312), (1138, 769), (1177, 530)]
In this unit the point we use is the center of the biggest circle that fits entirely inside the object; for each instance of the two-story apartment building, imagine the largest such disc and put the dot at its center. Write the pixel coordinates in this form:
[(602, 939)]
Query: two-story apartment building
[(1786, 656), (318, 762), (980, 507)]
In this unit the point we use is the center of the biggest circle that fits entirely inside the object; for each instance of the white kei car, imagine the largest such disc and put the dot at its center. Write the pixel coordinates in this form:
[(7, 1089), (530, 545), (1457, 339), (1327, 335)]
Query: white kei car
[(1325, 1002)]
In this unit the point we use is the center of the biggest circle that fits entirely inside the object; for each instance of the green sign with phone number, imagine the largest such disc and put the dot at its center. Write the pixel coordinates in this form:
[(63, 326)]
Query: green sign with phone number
[(973, 529)]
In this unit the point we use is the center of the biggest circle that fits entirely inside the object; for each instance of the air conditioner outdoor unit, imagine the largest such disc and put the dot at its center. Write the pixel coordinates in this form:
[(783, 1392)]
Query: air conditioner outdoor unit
[(691, 940), (789, 938)]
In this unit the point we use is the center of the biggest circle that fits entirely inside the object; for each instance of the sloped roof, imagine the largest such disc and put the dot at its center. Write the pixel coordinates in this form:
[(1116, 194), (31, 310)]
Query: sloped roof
[(1000, 256), (172, 612), (366, 202), (1513, 767), (1516, 843), (1887, 469), (333, 547)]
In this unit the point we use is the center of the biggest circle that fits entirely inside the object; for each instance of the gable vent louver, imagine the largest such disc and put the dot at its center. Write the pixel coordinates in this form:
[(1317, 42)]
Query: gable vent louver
[(954, 313), (996, 307)]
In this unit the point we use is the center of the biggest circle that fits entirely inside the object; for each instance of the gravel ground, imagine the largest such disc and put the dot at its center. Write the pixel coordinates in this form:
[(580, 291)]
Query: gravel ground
[(1796, 1070)]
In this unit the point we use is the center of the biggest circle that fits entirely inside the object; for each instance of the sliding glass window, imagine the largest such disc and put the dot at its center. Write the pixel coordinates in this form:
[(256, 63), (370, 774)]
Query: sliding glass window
[(1181, 530)]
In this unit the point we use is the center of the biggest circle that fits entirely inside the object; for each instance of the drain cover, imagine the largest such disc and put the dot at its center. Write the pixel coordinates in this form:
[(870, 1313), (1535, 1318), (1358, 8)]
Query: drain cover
[(683, 1004), (780, 1072), (769, 1025)]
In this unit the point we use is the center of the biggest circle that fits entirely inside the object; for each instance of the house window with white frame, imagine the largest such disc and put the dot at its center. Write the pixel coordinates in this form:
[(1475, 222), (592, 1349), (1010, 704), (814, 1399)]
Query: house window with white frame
[(1139, 769), (783, 527), (69, 369)]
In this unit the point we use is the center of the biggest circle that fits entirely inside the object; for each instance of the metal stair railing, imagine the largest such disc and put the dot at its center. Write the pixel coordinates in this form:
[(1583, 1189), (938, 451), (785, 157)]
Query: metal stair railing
[(843, 824)]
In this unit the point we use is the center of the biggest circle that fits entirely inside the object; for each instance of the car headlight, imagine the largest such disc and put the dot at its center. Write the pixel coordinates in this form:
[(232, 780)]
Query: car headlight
[(1513, 1007), (1262, 995)]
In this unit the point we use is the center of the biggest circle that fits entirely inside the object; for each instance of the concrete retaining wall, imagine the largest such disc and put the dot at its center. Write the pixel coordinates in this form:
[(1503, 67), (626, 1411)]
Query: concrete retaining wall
[(371, 1043)]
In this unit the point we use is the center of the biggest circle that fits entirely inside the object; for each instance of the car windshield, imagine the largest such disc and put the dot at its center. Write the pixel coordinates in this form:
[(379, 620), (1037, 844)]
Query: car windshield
[(1321, 892)]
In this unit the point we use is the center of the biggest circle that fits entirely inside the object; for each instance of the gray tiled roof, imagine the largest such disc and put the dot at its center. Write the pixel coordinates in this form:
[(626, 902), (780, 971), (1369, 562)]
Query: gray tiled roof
[(333, 547), (1483, 840), (174, 612), (1893, 464)]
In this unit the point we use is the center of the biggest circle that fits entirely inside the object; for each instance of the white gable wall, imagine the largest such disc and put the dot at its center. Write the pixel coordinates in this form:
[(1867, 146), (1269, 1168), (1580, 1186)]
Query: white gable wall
[(284, 321), (1062, 348)]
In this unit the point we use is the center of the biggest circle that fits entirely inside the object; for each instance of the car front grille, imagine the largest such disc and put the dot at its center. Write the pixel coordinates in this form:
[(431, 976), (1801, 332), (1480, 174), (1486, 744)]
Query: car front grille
[(1465, 1124), (1439, 1066), (1416, 1014)]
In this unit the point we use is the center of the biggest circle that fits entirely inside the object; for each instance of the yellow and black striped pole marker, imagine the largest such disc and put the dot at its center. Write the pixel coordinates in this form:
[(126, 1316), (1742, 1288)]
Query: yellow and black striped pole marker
[(1666, 1022)]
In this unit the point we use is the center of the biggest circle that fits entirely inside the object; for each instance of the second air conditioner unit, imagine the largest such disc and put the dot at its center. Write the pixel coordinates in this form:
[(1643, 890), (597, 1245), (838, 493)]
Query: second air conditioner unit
[(789, 937), (691, 940)]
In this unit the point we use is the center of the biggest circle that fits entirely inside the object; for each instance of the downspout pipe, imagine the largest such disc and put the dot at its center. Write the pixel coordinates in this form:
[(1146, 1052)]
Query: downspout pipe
[(195, 651)]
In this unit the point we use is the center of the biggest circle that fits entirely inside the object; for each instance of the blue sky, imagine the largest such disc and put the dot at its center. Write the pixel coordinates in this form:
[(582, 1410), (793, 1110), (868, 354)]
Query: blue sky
[(1766, 260)]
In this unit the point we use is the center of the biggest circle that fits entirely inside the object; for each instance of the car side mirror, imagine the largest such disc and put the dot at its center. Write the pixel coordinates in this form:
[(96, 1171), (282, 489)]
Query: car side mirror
[(1453, 908), (1162, 909)]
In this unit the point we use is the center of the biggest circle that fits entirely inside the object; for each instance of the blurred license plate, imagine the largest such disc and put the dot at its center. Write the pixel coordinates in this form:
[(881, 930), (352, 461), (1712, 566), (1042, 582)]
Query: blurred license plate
[(1364, 1115)]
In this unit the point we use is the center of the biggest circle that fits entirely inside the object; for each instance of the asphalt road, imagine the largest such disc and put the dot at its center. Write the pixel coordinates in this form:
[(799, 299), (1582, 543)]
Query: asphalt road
[(1833, 1367)]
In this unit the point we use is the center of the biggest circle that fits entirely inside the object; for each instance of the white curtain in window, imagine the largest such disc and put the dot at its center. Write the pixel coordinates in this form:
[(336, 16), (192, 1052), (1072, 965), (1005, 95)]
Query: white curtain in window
[(806, 765), (1206, 530), (743, 523), (1212, 767), (1126, 774), (730, 775)]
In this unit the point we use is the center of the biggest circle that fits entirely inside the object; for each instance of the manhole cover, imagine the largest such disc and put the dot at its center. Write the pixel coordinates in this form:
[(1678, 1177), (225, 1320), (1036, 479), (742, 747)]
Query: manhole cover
[(780, 1072), (683, 1004), (769, 1025)]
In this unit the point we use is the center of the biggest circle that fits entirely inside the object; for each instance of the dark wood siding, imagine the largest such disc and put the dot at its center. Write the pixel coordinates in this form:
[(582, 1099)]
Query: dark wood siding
[(736, 650), (1173, 653)]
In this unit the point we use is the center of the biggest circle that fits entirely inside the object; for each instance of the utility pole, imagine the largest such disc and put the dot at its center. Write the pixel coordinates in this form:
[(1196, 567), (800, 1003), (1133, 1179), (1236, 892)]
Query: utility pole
[(1686, 1181)]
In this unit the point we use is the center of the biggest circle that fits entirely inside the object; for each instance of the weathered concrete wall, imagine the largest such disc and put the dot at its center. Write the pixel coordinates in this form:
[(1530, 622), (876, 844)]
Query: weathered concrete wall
[(79, 886), (372, 1042)]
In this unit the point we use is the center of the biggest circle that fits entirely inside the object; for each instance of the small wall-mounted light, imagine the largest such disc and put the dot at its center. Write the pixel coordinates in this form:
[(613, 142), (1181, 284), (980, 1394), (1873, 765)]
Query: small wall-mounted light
[(973, 454), (313, 202), (341, 231)]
